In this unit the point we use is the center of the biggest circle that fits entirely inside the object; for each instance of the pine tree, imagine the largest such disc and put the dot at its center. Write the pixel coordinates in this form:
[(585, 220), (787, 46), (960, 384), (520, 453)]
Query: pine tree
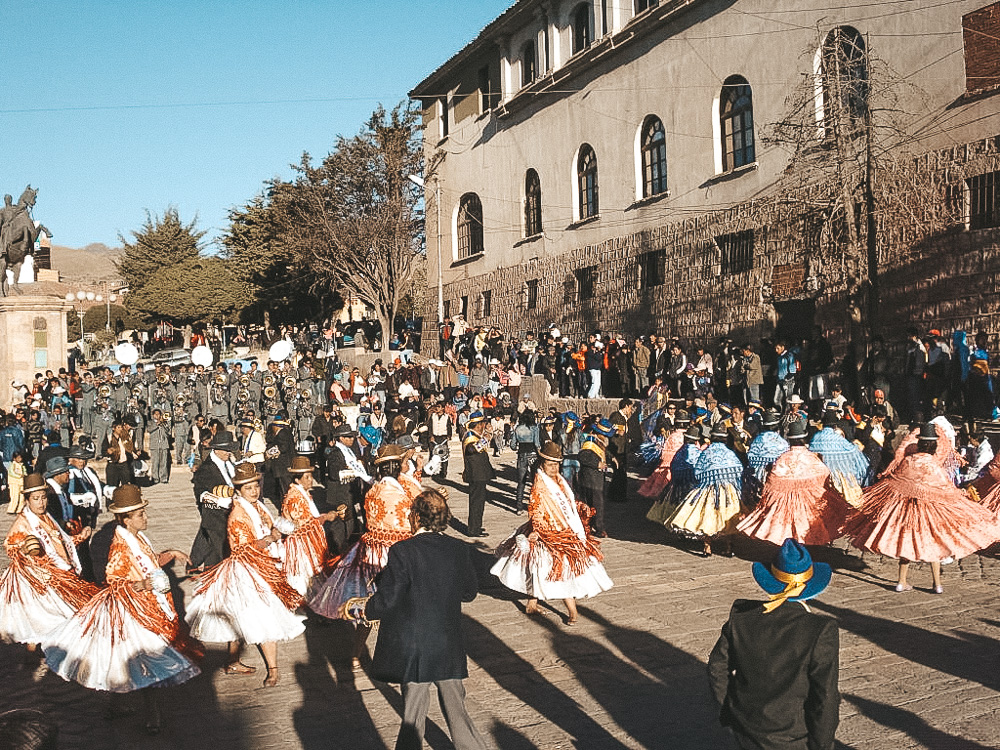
[(163, 241)]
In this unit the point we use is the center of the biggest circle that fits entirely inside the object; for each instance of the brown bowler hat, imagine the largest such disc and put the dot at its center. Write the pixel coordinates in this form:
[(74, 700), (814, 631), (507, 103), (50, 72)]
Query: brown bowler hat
[(245, 473), (127, 498), (33, 483), (301, 465)]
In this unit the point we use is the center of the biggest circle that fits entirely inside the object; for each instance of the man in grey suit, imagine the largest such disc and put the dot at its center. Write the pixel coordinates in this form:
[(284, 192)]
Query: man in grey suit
[(774, 669)]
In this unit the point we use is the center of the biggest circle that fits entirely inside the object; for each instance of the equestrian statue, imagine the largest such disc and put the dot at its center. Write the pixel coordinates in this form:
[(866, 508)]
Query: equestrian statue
[(17, 235)]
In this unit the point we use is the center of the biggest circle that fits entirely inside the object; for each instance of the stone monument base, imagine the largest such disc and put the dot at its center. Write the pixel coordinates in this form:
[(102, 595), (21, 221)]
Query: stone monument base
[(33, 333)]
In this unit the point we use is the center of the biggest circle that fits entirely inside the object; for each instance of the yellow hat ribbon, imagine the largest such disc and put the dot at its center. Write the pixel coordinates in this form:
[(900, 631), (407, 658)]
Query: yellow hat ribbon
[(795, 584)]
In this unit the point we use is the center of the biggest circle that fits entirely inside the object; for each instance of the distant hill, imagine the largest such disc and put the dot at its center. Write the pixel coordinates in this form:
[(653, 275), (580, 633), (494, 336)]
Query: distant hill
[(86, 265)]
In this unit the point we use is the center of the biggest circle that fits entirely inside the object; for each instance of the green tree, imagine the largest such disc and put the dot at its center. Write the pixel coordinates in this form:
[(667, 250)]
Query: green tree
[(198, 289), (354, 219), (273, 283), (162, 242)]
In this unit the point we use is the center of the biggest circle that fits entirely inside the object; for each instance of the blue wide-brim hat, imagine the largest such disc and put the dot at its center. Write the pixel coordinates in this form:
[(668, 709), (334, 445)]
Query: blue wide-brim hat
[(793, 559), (603, 427)]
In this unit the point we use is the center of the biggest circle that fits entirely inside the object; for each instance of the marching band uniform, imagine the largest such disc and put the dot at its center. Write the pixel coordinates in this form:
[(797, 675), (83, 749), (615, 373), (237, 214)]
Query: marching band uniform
[(42, 586)]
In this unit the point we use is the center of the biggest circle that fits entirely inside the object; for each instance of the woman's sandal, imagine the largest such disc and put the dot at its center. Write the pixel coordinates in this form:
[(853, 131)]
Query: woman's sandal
[(272, 677), (238, 667), (572, 620)]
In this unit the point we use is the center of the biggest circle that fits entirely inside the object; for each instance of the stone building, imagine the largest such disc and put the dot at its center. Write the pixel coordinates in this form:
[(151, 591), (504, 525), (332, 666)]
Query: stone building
[(710, 167)]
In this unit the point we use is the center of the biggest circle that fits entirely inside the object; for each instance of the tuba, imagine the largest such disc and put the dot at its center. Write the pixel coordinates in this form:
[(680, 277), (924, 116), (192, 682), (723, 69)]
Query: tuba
[(162, 378), (270, 392), (221, 379), (104, 391), (289, 382), (243, 395), (269, 379), (244, 380)]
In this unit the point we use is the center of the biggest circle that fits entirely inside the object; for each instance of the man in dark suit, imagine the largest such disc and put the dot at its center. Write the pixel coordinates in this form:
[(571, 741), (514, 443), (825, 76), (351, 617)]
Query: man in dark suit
[(211, 544), (348, 479), (774, 668), (419, 604), (618, 450), (478, 470)]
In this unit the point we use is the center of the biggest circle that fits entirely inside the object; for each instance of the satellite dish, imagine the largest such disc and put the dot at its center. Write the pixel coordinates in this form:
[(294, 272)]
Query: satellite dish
[(202, 355), (280, 350), (126, 354)]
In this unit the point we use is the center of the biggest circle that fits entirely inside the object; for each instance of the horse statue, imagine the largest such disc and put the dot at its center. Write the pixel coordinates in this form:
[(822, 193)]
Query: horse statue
[(17, 235)]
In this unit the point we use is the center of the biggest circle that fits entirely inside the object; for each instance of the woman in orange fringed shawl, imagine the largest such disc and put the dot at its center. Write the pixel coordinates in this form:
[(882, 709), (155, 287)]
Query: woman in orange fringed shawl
[(246, 597), (41, 588), (554, 555), (128, 637)]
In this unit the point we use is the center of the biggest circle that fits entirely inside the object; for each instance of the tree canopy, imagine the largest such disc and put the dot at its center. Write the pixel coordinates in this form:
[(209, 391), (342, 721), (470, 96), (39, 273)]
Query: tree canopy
[(169, 278), (349, 225)]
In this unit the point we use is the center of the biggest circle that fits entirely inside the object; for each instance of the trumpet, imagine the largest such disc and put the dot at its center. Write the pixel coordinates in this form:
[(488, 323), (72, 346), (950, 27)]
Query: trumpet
[(269, 379), (162, 378), (104, 391), (270, 392), (244, 380), (136, 391), (221, 379)]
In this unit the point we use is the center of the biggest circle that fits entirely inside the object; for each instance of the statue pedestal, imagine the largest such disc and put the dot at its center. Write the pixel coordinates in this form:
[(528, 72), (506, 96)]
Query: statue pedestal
[(32, 339)]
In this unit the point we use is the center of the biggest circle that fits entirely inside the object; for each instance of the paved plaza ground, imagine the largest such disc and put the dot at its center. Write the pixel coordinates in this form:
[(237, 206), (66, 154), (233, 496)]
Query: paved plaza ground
[(917, 670)]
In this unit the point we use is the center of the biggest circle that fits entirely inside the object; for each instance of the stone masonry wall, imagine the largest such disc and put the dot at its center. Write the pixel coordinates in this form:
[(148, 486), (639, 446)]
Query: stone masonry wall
[(950, 280)]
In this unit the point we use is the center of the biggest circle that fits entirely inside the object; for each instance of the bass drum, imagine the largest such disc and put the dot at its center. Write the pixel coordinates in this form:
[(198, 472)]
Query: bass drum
[(202, 355)]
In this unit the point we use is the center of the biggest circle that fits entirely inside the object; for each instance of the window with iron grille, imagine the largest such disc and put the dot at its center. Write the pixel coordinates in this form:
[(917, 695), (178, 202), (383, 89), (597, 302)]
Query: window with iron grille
[(586, 172), (586, 283), (737, 251), (531, 294), (532, 204), (654, 158), (652, 269), (984, 200), (736, 123), (447, 308), (470, 226), (489, 90), (486, 303), (463, 305)]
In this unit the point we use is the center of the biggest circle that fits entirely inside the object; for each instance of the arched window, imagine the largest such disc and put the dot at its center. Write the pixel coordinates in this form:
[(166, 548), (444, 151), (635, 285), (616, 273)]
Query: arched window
[(470, 226), (654, 157), (586, 173), (582, 36), (845, 76), (736, 123), (532, 204), (529, 67)]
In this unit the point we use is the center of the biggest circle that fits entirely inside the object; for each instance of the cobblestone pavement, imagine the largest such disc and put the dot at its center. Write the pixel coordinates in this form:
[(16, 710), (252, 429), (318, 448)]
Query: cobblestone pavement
[(917, 670)]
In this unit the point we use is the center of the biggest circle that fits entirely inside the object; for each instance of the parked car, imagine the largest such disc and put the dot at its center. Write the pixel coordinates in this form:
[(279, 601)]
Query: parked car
[(173, 357)]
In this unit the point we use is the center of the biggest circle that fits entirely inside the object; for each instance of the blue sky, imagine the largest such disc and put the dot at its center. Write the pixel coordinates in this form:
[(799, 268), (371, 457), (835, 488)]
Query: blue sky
[(112, 108)]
